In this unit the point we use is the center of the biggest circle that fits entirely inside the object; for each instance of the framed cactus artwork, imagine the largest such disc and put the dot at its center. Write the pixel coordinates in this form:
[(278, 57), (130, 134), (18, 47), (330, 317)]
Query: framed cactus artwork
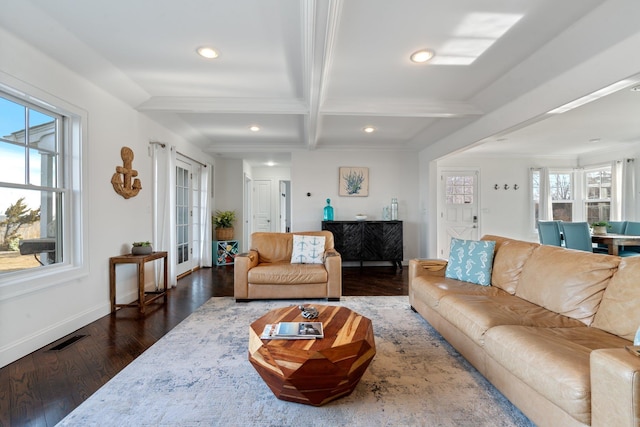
[(354, 181)]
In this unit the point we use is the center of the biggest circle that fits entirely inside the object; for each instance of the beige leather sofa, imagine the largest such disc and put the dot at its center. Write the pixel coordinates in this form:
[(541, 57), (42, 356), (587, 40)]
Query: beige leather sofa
[(550, 332), (266, 272)]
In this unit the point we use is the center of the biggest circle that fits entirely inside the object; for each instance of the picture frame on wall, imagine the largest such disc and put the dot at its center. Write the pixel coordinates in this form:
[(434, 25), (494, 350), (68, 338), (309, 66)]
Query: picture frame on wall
[(353, 181)]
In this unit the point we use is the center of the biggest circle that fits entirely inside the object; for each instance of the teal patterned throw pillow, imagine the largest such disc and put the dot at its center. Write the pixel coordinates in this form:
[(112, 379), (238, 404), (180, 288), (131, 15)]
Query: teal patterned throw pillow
[(471, 261), (307, 249)]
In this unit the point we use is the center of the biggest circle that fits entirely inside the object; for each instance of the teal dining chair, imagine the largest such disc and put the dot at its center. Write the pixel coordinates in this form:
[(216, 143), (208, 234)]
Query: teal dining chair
[(617, 227), (633, 229), (577, 236), (549, 232)]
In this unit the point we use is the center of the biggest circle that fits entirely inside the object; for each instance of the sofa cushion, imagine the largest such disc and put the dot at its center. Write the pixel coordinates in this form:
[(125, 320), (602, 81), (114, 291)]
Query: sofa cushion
[(431, 289), (619, 311), (566, 281), (508, 262), (286, 273), (307, 249), (552, 361), (475, 314), (471, 261)]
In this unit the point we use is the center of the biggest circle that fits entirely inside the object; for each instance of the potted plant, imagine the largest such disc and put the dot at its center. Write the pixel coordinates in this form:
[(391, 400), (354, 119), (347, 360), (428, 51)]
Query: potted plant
[(600, 227), (223, 224), (141, 248)]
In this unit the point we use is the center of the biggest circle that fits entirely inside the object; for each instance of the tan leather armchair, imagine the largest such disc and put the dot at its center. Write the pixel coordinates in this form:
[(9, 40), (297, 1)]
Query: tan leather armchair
[(266, 271)]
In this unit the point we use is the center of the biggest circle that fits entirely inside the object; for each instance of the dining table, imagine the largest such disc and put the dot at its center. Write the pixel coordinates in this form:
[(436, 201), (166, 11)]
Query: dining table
[(615, 241)]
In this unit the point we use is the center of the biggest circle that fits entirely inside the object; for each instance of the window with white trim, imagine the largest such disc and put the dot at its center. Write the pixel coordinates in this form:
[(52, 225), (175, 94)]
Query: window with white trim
[(597, 194), (41, 222), (562, 195)]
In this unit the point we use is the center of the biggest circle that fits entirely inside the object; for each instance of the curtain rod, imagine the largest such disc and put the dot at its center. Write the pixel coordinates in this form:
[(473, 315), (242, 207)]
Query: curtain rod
[(163, 145)]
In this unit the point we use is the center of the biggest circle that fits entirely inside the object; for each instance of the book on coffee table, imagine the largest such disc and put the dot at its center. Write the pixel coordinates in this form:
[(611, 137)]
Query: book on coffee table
[(293, 331)]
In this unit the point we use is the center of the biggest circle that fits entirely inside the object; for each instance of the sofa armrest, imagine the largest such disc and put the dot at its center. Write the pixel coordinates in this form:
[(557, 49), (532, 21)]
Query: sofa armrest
[(427, 267), (615, 388), (243, 263), (333, 264)]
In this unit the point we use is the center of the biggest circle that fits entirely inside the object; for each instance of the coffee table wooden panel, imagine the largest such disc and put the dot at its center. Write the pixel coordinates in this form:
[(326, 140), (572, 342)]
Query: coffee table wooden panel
[(313, 372)]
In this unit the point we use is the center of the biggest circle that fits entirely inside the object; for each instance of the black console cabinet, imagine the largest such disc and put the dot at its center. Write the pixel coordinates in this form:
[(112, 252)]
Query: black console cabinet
[(367, 240)]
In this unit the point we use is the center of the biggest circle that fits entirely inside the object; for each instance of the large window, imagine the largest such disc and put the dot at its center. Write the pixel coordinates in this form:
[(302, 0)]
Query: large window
[(561, 192), (594, 194), (41, 223), (31, 190), (598, 194)]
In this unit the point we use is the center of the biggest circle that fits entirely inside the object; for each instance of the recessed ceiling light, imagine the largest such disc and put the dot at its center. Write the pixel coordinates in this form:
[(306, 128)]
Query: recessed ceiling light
[(421, 56), (270, 163), (207, 52), (368, 129), (254, 128), (635, 88)]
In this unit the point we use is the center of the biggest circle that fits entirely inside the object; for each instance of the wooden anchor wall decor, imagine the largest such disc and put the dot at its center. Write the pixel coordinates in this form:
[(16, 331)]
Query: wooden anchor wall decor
[(121, 180)]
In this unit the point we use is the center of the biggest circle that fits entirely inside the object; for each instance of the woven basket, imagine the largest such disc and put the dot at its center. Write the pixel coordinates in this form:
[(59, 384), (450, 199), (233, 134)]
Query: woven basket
[(224, 233)]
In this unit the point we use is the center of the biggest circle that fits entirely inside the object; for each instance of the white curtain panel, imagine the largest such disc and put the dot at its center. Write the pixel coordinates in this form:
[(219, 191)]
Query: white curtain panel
[(205, 220), (546, 211), (164, 220), (616, 191), (628, 190)]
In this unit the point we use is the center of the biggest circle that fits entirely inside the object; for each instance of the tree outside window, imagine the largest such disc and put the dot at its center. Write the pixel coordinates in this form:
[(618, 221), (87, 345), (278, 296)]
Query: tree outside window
[(561, 187), (31, 190)]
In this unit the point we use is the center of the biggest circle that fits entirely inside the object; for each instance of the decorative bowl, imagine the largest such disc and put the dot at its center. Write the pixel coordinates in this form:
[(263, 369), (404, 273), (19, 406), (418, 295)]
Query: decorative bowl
[(361, 217)]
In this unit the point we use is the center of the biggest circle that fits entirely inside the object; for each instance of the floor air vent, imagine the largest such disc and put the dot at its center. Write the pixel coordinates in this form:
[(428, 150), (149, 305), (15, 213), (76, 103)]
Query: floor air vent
[(66, 343)]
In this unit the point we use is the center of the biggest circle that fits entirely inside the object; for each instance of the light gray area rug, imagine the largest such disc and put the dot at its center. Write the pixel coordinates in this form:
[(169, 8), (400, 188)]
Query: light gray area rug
[(199, 375)]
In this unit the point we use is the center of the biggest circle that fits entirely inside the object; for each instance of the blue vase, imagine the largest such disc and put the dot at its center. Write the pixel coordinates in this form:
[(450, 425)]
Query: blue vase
[(328, 211)]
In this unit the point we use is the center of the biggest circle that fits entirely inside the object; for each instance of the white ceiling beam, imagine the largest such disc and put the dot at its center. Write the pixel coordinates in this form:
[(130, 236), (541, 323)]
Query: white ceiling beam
[(321, 20), (399, 108), (194, 104)]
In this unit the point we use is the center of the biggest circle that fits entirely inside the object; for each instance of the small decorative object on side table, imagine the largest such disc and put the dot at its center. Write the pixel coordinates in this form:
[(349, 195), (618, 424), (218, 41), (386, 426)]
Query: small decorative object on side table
[(141, 248)]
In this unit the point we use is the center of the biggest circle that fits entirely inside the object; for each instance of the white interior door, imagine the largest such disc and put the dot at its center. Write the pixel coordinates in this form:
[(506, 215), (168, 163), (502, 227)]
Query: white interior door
[(458, 206), (184, 217), (262, 205), (247, 213), (284, 206)]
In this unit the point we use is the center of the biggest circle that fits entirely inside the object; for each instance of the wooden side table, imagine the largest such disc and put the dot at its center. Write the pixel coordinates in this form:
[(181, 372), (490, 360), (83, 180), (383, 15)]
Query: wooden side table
[(140, 260)]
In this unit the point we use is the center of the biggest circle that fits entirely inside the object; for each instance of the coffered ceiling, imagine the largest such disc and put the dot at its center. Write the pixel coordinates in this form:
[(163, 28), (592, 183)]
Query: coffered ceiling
[(310, 74)]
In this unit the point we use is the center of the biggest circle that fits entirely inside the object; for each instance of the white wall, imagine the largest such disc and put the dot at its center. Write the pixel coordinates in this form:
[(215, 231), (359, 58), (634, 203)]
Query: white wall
[(567, 73), (229, 192), (504, 212), (35, 319), (391, 174)]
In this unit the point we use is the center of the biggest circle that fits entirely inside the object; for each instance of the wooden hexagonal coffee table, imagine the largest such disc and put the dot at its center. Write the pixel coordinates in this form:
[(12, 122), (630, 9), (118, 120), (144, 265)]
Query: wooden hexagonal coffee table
[(313, 372)]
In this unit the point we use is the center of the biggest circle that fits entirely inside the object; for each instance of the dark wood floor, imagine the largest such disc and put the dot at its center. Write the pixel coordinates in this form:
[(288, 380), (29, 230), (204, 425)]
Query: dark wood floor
[(43, 387)]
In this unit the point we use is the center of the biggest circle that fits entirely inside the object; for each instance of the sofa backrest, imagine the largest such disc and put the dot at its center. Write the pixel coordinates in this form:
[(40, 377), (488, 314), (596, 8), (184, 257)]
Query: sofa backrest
[(619, 311), (277, 247), (508, 261), (565, 281)]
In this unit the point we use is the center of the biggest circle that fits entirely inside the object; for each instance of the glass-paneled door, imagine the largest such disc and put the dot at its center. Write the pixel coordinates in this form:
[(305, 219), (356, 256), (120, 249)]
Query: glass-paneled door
[(184, 218)]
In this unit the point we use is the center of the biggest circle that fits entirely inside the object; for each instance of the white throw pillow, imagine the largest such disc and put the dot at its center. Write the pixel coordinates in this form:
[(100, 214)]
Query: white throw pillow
[(307, 249)]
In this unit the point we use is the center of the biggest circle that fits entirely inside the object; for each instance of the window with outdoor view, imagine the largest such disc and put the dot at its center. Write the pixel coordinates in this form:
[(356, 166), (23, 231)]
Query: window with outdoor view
[(598, 194), (32, 187), (561, 192), (562, 198)]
